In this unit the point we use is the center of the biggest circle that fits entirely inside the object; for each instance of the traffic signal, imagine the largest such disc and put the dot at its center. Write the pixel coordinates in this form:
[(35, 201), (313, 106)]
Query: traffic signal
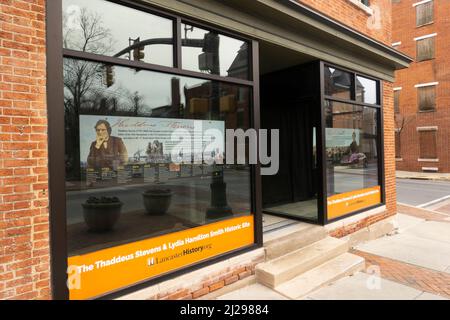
[(209, 59), (139, 52), (109, 77)]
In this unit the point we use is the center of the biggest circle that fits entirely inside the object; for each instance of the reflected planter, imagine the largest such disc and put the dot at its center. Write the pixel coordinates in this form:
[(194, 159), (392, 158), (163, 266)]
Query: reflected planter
[(101, 217), (157, 201)]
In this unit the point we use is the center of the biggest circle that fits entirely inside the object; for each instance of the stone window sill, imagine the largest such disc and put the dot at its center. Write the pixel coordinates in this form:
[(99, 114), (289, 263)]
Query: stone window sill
[(428, 160), (363, 7)]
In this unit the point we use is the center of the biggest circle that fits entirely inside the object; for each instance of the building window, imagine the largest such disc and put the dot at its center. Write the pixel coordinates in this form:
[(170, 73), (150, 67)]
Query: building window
[(426, 49), (426, 98), (397, 101), (428, 144), (398, 145), (365, 2), (424, 13), (130, 185)]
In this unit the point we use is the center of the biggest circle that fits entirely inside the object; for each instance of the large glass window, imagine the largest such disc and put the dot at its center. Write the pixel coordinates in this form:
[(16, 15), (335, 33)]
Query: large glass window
[(211, 52), (351, 147), (135, 118), (149, 185), (93, 26), (351, 143)]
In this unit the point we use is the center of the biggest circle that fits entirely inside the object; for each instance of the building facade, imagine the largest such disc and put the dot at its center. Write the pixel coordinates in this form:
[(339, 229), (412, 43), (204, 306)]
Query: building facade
[(422, 91), (93, 203)]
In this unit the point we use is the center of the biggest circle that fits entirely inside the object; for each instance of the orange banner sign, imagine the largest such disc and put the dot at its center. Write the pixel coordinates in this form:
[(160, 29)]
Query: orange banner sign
[(95, 274), (345, 203)]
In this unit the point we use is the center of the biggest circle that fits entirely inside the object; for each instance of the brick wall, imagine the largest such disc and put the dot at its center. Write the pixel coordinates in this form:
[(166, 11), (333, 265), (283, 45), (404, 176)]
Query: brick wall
[(389, 147), (376, 25), (24, 229), (436, 70)]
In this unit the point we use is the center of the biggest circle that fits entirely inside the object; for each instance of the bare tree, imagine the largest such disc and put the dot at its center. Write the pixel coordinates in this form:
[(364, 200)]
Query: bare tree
[(401, 121)]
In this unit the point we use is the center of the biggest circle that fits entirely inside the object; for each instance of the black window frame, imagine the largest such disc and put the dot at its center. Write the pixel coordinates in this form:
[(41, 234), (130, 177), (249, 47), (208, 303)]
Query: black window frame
[(55, 97), (380, 137)]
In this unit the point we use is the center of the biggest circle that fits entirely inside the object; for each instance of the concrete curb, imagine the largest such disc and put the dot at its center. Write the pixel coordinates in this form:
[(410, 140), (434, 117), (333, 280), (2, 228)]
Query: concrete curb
[(422, 176)]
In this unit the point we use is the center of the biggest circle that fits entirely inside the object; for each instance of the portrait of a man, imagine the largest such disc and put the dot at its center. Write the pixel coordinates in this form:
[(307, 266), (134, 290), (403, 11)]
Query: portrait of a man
[(106, 151)]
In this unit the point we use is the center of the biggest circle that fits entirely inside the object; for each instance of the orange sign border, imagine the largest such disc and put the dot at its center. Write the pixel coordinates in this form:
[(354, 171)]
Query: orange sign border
[(345, 203), (98, 273)]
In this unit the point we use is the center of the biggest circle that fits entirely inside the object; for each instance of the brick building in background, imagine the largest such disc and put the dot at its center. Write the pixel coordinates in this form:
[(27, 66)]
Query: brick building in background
[(422, 92), (42, 231)]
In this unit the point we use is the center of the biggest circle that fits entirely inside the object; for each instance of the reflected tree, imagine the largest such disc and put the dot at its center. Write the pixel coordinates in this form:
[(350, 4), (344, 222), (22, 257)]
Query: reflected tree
[(84, 33)]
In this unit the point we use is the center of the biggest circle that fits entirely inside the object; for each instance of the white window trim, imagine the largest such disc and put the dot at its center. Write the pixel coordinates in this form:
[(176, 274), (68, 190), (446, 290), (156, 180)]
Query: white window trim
[(396, 44), (398, 88), (421, 2), (362, 6), (427, 160), (430, 128), (429, 84), (430, 169), (398, 159), (425, 37)]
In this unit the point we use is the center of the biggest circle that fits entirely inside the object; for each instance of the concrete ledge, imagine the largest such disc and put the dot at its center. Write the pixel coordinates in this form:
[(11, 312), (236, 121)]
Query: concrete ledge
[(423, 175), (372, 232)]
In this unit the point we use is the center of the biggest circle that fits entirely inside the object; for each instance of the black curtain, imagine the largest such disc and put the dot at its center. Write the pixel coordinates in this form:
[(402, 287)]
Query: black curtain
[(295, 180)]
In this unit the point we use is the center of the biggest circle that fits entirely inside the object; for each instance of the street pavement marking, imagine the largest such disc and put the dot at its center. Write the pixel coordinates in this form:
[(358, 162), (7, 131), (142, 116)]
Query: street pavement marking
[(433, 202)]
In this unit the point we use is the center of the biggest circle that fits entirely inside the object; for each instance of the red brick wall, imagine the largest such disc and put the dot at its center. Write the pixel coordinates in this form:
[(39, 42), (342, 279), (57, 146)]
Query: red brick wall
[(377, 26), (437, 70), (389, 147), (24, 229)]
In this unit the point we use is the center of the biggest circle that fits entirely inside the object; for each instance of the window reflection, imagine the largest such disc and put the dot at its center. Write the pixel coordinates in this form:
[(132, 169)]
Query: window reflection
[(351, 147), (95, 26), (366, 90), (338, 83), (117, 135), (211, 52)]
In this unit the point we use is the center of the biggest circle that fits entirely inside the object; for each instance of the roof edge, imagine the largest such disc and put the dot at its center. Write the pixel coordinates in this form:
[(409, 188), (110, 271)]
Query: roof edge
[(313, 14)]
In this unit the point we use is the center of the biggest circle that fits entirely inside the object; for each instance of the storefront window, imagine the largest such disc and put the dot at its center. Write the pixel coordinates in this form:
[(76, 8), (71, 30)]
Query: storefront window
[(149, 187), (136, 117), (93, 26), (352, 156), (211, 52)]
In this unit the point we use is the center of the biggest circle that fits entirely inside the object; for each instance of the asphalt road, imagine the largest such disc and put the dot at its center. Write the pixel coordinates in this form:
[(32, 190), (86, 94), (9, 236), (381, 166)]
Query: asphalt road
[(419, 192)]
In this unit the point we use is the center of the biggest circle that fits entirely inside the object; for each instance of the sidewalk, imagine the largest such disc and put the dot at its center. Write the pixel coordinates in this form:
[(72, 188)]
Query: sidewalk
[(423, 175), (412, 264)]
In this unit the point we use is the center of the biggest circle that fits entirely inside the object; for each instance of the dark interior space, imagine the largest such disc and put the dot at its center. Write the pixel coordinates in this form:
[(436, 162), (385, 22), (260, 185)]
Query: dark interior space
[(290, 102)]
